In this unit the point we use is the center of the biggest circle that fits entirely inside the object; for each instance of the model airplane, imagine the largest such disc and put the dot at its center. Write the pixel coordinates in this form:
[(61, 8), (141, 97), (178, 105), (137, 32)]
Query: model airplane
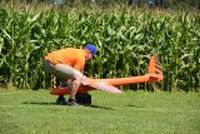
[(154, 74)]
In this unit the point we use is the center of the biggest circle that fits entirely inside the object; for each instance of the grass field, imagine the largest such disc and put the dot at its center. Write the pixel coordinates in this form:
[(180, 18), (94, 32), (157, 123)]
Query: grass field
[(35, 112)]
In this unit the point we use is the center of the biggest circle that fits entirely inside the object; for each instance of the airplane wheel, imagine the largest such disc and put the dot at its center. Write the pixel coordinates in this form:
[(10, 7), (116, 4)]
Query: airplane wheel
[(61, 100), (84, 99)]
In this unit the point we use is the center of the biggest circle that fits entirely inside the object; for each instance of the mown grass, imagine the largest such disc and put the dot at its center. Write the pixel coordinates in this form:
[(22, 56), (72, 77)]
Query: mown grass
[(35, 112)]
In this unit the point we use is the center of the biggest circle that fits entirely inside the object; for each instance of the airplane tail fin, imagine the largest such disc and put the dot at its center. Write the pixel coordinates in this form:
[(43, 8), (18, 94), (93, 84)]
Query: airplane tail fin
[(155, 69)]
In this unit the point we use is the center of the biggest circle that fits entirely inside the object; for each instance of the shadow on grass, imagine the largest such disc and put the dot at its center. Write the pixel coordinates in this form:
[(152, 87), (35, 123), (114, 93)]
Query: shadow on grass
[(135, 106), (100, 107), (53, 103), (40, 103)]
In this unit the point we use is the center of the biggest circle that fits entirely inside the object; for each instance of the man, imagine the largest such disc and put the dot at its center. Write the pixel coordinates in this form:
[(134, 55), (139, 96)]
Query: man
[(68, 65)]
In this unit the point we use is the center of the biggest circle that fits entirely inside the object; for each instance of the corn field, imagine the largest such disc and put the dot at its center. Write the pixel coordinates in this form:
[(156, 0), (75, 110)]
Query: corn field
[(125, 39)]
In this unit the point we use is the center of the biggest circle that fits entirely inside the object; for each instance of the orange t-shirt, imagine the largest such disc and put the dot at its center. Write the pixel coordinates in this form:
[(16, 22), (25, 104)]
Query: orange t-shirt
[(70, 56)]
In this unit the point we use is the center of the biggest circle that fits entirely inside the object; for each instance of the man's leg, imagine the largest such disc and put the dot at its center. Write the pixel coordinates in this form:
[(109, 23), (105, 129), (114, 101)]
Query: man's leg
[(49, 68), (75, 84), (63, 74), (73, 77)]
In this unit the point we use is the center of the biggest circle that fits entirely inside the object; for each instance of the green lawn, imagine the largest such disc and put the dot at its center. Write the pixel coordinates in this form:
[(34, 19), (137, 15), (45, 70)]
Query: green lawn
[(35, 112)]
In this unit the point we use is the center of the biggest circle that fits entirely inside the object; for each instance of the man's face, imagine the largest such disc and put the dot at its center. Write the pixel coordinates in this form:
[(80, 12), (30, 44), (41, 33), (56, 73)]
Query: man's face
[(88, 56)]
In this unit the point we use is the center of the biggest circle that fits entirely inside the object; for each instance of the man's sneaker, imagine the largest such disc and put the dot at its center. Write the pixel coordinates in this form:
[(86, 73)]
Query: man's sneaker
[(72, 102)]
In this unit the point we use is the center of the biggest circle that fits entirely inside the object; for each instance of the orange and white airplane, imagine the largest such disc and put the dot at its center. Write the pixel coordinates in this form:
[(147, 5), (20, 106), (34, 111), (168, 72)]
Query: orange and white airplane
[(154, 74)]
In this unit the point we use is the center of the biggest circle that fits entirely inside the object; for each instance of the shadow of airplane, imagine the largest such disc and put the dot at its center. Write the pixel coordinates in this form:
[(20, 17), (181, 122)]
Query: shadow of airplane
[(100, 107), (53, 103), (135, 106)]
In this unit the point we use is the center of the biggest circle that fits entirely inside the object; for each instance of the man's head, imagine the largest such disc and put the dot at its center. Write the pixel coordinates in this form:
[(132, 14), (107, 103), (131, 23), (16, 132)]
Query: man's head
[(90, 51)]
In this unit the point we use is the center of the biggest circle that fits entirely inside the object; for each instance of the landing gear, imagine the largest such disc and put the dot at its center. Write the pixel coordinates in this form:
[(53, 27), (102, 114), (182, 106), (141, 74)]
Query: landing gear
[(81, 99), (84, 99), (61, 100)]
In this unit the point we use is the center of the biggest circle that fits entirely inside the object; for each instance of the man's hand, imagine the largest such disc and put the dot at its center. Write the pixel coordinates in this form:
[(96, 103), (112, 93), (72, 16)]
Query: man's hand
[(85, 81)]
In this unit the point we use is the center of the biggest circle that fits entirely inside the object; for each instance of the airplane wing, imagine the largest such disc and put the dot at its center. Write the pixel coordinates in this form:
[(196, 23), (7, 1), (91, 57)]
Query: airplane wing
[(104, 87)]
